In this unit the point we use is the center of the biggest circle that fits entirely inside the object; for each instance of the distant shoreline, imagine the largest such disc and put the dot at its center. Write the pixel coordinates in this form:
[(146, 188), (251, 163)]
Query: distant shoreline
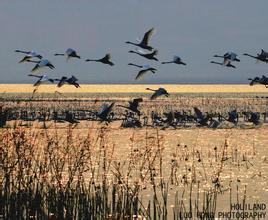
[(135, 88)]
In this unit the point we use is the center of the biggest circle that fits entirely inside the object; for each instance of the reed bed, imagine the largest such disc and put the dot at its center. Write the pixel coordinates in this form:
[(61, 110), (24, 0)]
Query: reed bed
[(215, 102), (56, 174)]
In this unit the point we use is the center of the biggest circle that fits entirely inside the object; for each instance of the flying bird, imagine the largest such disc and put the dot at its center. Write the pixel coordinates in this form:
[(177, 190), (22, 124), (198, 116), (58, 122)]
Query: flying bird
[(257, 80), (229, 56), (144, 44), (144, 69), (42, 79), (133, 105), (158, 92), (68, 53), (176, 59), (65, 80), (40, 64), (106, 60), (228, 64), (263, 56), (29, 55), (150, 56)]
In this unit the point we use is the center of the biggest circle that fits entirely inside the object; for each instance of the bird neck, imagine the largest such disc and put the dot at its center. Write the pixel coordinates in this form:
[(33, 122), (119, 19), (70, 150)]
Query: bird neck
[(92, 60), (132, 64), (128, 42), (249, 55), (21, 51), (33, 61), (218, 56)]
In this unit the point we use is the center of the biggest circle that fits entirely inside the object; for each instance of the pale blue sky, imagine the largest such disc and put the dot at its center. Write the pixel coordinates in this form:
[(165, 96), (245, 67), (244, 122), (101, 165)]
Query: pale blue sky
[(193, 29)]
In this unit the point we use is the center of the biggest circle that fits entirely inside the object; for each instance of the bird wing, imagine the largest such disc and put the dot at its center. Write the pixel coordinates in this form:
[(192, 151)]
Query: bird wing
[(176, 58), (226, 54), (137, 100), (110, 107), (264, 53), (233, 114), (37, 83), (61, 81), (154, 96), (103, 108), (141, 74), (147, 36), (73, 78), (25, 59), (146, 67), (252, 82), (230, 65), (162, 90), (36, 67), (198, 113), (108, 56), (44, 78), (33, 54), (155, 52), (141, 51), (264, 77), (233, 56), (135, 103), (70, 51)]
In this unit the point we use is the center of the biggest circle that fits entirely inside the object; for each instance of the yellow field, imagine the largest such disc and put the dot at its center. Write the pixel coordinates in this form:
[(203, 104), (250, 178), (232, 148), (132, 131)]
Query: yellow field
[(130, 88)]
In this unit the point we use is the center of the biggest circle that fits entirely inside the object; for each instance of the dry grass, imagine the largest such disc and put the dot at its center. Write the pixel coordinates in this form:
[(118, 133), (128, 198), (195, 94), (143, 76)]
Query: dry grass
[(92, 173)]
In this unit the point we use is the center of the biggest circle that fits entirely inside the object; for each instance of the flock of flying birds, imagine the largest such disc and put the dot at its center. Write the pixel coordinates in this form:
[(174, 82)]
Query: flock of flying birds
[(145, 50)]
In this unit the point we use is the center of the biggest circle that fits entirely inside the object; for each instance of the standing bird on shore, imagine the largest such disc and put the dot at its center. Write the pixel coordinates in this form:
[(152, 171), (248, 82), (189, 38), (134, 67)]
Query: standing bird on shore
[(105, 60), (263, 56), (41, 64), (42, 79), (29, 56), (133, 105), (150, 56), (229, 56), (176, 59), (228, 64), (68, 53), (144, 69), (158, 92), (144, 44), (65, 80)]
